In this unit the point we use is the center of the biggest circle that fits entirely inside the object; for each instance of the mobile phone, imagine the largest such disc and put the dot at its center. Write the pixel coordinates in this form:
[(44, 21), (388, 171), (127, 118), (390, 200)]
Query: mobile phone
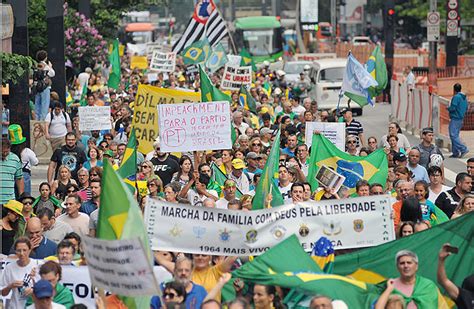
[(452, 249)]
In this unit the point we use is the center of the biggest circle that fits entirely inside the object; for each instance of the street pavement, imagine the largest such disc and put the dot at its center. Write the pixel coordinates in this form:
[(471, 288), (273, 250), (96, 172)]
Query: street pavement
[(375, 122)]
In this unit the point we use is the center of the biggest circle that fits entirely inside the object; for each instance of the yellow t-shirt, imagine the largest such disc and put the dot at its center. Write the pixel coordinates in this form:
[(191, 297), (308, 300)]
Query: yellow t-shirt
[(208, 278)]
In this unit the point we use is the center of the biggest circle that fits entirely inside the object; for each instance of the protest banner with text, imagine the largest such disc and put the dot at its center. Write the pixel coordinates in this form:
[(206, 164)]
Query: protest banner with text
[(120, 266), (94, 118), (145, 117), (163, 62), (349, 223), (195, 126), (236, 76), (333, 131)]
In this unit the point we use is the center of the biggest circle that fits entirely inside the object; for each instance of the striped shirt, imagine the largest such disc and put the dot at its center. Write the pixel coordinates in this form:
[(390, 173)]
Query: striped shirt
[(10, 170), (354, 128)]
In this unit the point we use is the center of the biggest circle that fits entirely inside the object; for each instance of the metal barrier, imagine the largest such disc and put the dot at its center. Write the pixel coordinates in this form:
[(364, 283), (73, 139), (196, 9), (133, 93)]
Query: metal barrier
[(416, 109)]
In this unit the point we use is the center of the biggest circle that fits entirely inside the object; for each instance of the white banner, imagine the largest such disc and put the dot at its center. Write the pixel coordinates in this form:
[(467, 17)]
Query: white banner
[(94, 118), (120, 266), (333, 131), (235, 76), (234, 60), (194, 126), (349, 223), (163, 62), (136, 49)]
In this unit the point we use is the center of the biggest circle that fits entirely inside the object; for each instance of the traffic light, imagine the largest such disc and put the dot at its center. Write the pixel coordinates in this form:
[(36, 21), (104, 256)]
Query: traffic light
[(390, 17)]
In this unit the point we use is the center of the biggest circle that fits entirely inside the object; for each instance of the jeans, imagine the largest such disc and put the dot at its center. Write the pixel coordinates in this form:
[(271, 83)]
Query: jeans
[(42, 104), (457, 147), (27, 180)]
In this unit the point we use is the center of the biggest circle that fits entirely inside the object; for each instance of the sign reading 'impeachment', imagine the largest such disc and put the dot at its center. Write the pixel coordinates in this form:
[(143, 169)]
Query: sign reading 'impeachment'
[(351, 223)]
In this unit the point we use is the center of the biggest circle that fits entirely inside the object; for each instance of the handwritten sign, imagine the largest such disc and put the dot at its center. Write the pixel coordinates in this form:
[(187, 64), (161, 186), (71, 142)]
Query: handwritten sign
[(195, 126), (163, 62), (333, 131), (140, 62), (120, 266), (235, 76), (145, 117), (94, 118)]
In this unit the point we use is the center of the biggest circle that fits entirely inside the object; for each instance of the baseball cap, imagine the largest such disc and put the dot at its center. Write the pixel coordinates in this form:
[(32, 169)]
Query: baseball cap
[(43, 289), (344, 110), (109, 153), (427, 130), (400, 156), (266, 130), (252, 155), (238, 164)]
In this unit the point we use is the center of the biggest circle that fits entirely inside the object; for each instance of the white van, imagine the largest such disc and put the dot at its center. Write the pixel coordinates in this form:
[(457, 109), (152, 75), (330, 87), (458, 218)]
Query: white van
[(326, 77)]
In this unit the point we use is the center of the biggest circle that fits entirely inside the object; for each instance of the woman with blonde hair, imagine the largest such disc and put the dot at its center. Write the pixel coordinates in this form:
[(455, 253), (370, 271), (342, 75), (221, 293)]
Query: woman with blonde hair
[(466, 205), (59, 187)]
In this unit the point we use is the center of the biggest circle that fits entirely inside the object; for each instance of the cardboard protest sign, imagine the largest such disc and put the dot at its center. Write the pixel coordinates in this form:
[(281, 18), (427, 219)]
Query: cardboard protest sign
[(348, 223), (333, 131), (236, 76), (120, 266), (163, 62), (145, 116), (195, 126), (94, 118)]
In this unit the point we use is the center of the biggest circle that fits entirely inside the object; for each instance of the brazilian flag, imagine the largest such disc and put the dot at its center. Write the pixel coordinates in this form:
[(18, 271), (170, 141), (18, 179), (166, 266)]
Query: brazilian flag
[(247, 59), (247, 101), (217, 58), (197, 52), (373, 168), (219, 178)]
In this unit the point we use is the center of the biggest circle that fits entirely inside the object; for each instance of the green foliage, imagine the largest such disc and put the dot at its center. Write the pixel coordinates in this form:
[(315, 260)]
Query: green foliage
[(37, 31), (14, 67)]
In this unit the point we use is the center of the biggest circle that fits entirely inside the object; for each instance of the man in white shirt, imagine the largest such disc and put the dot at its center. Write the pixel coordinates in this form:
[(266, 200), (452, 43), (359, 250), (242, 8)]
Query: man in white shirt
[(52, 229), (229, 194), (58, 124), (77, 220), (197, 195), (238, 123), (42, 83), (238, 175), (284, 183)]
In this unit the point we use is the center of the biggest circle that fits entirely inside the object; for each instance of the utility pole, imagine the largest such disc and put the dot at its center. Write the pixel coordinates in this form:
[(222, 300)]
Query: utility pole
[(389, 26), (55, 30), (432, 70), (19, 93), (333, 21), (453, 23)]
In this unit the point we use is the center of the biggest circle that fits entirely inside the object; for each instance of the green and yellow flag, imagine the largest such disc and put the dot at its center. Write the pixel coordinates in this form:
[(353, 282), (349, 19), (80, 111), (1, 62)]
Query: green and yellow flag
[(376, 264), (287, 265), (246, 100), (217, 58), (247, 59), (83, 100), (128, 167), (114, 77), (197, 52), (269, 180), (219, 178), (373, 168), (120, 217), (209, 92), (377, 68)]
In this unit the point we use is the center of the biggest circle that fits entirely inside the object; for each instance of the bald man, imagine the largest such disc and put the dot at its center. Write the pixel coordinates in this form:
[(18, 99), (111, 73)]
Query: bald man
[(42, 247)]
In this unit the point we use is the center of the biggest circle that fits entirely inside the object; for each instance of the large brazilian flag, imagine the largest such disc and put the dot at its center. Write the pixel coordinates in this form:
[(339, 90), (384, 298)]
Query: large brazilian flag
[(373, 168)]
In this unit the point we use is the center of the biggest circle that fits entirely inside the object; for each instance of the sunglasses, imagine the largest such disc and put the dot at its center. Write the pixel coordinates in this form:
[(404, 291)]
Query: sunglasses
[(152, 184), (145, 166), (351, 142), (256, 144), (27, 203), (71, 191)]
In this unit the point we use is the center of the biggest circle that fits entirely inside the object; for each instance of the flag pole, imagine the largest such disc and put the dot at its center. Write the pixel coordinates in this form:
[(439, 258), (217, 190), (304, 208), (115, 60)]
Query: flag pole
[(340, 92), (230, 34)]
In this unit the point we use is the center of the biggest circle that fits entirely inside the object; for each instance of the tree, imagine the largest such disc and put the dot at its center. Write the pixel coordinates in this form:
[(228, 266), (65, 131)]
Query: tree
[(14, 67)]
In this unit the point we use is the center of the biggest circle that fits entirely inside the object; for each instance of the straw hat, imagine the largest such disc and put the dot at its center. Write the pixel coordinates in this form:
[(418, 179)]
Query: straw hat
[(14, 206), (16, 134)]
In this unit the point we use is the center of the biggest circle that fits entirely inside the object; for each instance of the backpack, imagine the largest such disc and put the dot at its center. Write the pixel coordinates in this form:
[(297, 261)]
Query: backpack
[(41, 81), (65, 118)]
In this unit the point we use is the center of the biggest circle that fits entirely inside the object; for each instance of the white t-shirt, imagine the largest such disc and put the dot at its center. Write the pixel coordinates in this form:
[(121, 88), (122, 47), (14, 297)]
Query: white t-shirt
[(28, 158), (54, 306), (197, 200), (285, 192), (58, 231), (79, 224), (57, 126), (298, 110), (13, 272), (433, 196), (222, 203)]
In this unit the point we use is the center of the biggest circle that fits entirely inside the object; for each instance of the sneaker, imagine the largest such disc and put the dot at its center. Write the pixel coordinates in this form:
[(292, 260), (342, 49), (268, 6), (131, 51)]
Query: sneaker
[(453, 156), (464, 153)]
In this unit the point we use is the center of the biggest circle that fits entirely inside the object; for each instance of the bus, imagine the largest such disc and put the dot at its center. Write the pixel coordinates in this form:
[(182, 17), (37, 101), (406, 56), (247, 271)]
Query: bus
[(262, 37)]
